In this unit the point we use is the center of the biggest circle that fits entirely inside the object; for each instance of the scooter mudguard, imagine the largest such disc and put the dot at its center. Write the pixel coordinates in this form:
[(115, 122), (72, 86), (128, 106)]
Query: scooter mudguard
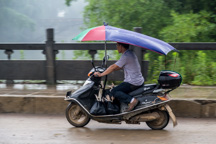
[(171, 114)]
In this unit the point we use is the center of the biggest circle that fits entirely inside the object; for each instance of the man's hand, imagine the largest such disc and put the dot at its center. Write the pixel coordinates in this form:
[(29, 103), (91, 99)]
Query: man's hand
[(110, 69), (97, 74)]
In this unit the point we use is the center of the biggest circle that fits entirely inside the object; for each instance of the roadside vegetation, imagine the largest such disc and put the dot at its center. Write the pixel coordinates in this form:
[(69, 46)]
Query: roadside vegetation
[(168, 20)]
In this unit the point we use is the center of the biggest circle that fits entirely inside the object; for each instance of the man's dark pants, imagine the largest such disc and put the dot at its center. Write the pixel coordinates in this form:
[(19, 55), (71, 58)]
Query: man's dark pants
[(121, 92)]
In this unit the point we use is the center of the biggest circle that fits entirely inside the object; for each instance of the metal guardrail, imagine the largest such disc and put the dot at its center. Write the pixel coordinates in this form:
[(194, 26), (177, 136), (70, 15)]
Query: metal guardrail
[(100, 46), (52, 70)]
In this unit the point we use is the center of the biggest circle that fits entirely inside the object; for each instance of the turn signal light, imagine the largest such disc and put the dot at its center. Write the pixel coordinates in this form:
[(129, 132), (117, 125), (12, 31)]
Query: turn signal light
[(89, 74), (162, 98)]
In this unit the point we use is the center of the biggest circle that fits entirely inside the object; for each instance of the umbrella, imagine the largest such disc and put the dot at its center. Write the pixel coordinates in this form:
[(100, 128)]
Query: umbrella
[(110, 33)]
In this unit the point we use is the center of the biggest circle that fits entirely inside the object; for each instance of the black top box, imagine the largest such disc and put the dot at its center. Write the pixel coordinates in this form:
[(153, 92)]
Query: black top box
[(169, 79)]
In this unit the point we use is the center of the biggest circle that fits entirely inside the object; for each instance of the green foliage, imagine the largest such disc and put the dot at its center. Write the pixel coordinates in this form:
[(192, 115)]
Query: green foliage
[(22, 57), (187, 61), (202, 76), (213, 72), (68, 2), (157, 66), (81, 55), (189, 28), (150, 15), (63, 54), (195, 6), (171, 21), (84, 55), (113, 54), (196, 66)]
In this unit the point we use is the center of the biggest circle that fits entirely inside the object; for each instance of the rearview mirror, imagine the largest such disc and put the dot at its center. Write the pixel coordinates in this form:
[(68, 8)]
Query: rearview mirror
[(92, 62)]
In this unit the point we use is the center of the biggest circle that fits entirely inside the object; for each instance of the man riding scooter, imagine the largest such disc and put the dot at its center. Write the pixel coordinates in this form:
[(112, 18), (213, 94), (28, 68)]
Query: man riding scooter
[(148, 103), (133, 78)]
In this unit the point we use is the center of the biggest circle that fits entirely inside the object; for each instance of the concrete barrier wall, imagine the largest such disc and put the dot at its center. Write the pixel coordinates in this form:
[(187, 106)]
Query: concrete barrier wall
[(57, 105), (33, 105), (194, 108)]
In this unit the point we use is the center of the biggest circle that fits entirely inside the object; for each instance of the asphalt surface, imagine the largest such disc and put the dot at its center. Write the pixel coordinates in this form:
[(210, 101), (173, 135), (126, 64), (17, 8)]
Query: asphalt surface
[(54, 129)]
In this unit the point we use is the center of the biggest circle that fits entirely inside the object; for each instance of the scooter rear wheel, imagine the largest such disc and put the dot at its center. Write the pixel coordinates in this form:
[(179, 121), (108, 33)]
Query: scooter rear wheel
[(76, 116), (160, 123)]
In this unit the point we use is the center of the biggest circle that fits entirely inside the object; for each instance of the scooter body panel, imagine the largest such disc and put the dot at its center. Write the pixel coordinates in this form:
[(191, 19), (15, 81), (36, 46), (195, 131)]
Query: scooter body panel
[(122, 115), (144, 88), (84, 95)]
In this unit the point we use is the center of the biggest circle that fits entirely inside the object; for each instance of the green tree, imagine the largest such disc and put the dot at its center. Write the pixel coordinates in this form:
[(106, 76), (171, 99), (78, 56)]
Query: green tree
[(202, 76), (189, 27), (171, 21), (193, 27), (150, 15), (195, 6), (68, 2)]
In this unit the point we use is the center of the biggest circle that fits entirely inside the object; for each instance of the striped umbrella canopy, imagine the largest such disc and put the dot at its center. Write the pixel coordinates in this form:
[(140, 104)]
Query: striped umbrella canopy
[(110, 33)]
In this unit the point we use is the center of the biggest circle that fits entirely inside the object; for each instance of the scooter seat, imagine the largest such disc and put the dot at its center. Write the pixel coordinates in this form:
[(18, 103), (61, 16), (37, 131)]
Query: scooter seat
[(142, 89)]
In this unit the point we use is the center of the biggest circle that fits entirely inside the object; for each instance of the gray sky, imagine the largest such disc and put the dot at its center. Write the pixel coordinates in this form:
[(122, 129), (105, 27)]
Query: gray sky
[(45, 14), (65, 20)]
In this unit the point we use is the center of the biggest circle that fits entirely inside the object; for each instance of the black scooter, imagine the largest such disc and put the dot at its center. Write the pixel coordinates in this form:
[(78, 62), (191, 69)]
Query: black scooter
[(152, 108)]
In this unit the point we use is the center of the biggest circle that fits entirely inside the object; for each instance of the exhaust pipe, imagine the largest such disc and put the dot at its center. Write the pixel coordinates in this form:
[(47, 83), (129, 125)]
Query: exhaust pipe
[(146, 117)]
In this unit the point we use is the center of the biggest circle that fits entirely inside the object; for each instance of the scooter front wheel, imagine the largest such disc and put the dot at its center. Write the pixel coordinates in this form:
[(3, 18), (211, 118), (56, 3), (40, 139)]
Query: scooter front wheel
[(160, 123), (76, 116)]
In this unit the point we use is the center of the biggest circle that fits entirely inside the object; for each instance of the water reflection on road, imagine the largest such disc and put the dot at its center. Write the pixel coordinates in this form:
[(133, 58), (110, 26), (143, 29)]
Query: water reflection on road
[(40, 129), (40, 86), (113, 133)]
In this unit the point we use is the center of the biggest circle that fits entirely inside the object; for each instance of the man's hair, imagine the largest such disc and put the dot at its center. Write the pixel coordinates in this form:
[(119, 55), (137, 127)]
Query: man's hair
[(126, 46)]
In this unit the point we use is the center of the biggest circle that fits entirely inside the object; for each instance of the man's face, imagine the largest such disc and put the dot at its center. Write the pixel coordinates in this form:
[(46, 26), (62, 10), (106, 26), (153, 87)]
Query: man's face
[(119, 48)]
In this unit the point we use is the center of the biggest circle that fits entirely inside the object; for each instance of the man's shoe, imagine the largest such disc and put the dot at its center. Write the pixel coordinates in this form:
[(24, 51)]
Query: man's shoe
[(132, 105)]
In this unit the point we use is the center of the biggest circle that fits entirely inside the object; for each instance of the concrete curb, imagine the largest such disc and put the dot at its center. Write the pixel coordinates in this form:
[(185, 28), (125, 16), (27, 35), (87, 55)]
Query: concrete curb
[(197, 108)]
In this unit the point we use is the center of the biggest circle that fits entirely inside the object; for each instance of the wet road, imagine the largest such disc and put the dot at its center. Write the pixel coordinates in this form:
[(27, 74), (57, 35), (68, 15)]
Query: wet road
[(43, 129)]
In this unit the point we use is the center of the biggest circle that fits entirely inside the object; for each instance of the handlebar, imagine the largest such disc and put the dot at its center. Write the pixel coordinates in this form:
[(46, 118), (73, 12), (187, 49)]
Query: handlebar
[(92, 74)]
